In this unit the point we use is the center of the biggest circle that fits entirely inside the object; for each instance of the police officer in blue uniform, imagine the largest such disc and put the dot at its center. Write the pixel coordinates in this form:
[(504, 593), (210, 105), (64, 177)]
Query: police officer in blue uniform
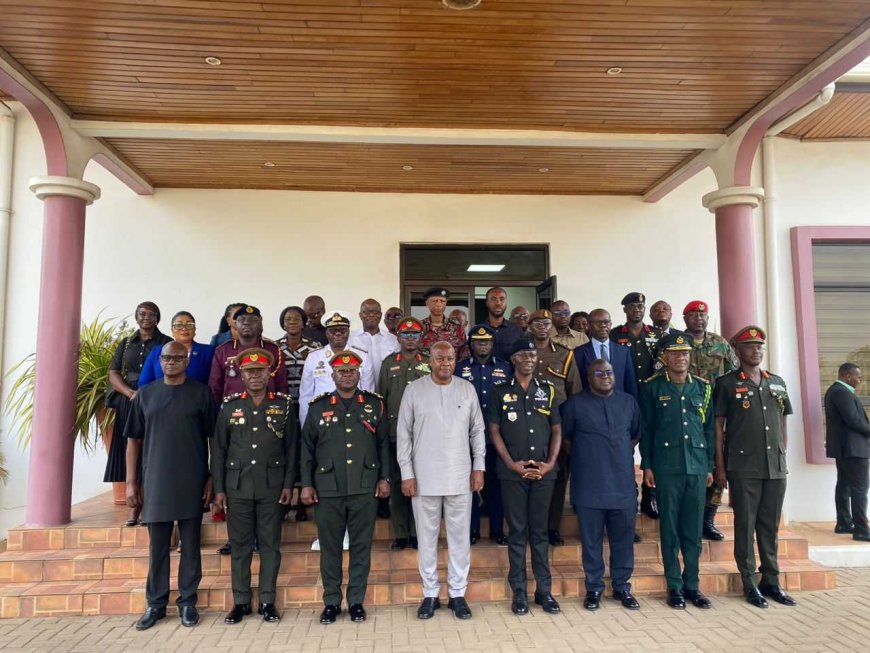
[(483, 370)]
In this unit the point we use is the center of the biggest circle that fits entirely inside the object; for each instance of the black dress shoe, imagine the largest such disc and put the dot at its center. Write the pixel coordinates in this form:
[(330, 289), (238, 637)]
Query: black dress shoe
[(849, 528), (357, 612), (637, 537), (753, 597), (301, 513), (555, 538), (547, 602), (520, 603), (189, 615), (399, 544), (150, 617), (427, 607), (226, 549), (861, 537), (270, 613), (460, 607), (627, 599), (775, 592), (697, 599), (592, 600), (475, 537), (499, 538), (330, 614), (676, 600), (239, 611), (412, 542)]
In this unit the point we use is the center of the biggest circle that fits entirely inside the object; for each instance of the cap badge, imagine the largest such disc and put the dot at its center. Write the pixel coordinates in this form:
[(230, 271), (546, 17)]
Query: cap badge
[(249, 310), (345, 359), (254, 357), (753, 332), (702, 307), (680, 340), (409, 323), (481, 331)]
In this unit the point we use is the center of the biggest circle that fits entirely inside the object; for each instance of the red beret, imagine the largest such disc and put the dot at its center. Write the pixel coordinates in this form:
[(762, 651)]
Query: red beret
[(696, 305)]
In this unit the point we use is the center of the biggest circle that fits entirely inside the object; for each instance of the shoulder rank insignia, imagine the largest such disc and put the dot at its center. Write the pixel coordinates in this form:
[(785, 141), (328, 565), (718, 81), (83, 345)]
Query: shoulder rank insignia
[(233, 397), (318, 398)]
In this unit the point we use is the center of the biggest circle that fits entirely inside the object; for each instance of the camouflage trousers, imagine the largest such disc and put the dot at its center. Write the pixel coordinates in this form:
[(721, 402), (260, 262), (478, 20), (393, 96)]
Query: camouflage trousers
[(714, 496)]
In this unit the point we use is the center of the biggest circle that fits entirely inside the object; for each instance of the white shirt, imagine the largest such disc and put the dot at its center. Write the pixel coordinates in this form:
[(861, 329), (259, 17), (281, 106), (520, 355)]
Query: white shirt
[(378, 345), (601, 345), (317, 376), (440, 436)]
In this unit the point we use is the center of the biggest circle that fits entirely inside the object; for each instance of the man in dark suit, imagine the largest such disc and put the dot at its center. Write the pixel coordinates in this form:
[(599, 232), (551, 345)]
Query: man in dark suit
[(848, 442), (601, 348)]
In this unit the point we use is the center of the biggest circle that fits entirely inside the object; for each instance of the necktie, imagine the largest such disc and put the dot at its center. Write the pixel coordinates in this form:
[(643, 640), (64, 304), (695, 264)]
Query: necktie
[(604, 354)]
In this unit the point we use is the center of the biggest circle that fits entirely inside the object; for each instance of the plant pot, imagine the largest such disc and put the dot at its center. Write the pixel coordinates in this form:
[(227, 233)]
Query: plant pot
[(119, 493)]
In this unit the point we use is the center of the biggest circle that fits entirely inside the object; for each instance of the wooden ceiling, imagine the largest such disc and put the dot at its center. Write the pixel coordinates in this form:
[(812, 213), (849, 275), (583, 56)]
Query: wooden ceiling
[(688, 65), (379, 168), (846, 116)]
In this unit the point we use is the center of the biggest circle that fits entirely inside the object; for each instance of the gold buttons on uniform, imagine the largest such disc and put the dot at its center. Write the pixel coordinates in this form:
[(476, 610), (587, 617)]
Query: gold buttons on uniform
[(253, 462), (254, 429), (349, 462), (349, 445), (253, 446), (348, 430)]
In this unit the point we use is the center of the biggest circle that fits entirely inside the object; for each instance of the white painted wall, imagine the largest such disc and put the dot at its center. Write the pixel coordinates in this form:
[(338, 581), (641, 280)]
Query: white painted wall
[(201, 249)]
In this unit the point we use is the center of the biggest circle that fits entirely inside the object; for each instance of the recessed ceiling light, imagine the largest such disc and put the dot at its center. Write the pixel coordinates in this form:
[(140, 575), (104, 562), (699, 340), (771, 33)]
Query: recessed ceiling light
[(614, 71), (481, 267), (460, 4), (213, 61), (407, 167), (268, 164), (543, 170)]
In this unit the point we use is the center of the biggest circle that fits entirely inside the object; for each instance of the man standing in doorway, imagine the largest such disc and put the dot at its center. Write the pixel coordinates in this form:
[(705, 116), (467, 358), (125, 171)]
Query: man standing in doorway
[(506, 332), (441, 454), (848, 442), (436, 327), (560, 332)]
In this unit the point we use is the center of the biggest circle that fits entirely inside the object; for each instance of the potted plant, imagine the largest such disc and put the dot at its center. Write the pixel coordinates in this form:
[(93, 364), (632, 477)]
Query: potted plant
[(98, 343)]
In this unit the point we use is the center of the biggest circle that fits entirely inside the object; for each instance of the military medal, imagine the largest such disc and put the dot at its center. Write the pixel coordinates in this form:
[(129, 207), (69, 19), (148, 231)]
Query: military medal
[(512, 416), (746, 403), (241, 420), (367, 408), (231, 372)]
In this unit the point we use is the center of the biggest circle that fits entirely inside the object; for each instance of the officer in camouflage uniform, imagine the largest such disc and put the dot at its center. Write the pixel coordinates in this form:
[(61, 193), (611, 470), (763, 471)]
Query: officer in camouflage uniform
[(751, 407), (676, 449), (252, 466), (711, 357), (397, 371), (344, 466)]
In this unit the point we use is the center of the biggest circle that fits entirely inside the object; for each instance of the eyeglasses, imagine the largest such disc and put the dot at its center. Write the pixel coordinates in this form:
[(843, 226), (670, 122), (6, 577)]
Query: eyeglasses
[(412, 335), (603, 374), (520, 316), (543, 323), (248, 319), (601, 322), (172, 358), (146, 314), (393, 316), (179, 326), (292, 319), (562, 313)]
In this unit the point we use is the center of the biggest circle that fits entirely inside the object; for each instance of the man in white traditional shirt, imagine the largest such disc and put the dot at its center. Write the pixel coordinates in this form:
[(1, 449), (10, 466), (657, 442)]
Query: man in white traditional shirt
[(441, 449), (374, 339)]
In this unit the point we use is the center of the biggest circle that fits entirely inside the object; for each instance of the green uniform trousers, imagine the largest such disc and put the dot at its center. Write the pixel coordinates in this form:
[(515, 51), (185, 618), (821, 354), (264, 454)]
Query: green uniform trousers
[(356, 514), (757, 505), (401, 514), (245, 518), (681, 500)]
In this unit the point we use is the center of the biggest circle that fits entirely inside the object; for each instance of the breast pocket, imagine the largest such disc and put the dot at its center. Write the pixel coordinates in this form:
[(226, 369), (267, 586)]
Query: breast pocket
[(324, 478), (275, 472), (233, 469), (370, 473)]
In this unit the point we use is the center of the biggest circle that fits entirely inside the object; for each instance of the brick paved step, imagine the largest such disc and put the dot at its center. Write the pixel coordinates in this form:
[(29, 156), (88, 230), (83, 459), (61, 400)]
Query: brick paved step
[(127, 596), (101, 563)]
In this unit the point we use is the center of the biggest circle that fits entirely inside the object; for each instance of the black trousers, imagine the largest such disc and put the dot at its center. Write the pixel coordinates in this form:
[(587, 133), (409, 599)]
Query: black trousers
[(189, 568), (525, 508), (401, 514), (620, 535), (557, 503), (492, 495), (857, 480), (842, 495)]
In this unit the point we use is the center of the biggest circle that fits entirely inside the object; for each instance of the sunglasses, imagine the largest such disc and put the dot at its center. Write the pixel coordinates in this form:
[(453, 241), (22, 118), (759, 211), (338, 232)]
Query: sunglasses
[(180, 326)]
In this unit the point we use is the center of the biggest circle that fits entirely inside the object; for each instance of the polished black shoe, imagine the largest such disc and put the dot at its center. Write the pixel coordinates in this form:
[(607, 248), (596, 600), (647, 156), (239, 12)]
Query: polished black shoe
[(520, 602), (555, 538), (270, 613), (649, 505), (239, 611), (150, 617), (499, 538), (753, 597), (460, 607), (412, 542), (861, 537), (775, 592), (330, 614), (710, 532), (357, 612), (637, 537), (676, 600), (301, 513), (427, 607), (592, 600), (226, 549), (547, 602), (399, 544), (841, 530), (475, 537), (189, 615), (697, 599), (627, 599)]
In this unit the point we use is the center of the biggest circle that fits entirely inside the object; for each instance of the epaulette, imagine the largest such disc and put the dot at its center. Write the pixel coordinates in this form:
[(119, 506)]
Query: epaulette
[(373, 394), (545, 382), (699, 378), (283, 395), (654, 376), (502, 382), (318, 398), (232, 397)]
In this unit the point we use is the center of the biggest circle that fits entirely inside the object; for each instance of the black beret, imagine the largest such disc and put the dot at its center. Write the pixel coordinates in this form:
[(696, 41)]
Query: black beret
[(634, 298), (436, 292)]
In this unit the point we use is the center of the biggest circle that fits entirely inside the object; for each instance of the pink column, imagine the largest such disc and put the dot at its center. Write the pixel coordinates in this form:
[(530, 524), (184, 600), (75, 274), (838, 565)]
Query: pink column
[(735, 255), (49, 486)]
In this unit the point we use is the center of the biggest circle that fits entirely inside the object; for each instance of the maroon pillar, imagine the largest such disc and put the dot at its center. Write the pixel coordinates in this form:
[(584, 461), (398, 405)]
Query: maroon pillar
[(49, 485), (735, 255)]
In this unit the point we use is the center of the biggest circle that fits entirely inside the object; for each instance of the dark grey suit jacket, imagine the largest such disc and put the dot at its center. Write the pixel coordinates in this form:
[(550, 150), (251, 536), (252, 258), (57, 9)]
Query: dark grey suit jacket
[(848, 429)]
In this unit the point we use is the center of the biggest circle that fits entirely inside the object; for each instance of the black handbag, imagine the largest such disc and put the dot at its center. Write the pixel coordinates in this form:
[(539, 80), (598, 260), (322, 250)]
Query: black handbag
[(113, 398)]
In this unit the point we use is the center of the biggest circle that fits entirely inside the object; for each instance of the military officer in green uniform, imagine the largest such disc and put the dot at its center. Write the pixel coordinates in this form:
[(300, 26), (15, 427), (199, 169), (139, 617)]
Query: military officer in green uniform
[(252, 466), (676, 450), (711, 357), (344, 466), (397, 371), (751, 407)]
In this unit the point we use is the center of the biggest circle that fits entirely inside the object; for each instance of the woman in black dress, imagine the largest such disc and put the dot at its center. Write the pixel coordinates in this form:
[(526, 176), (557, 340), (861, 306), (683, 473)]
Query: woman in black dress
[(124, 371)]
